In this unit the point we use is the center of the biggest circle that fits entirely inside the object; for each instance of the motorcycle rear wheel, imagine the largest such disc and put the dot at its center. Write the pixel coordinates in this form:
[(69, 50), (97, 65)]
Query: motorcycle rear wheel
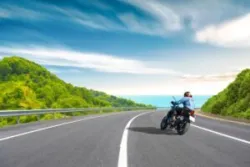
[(184, 129)]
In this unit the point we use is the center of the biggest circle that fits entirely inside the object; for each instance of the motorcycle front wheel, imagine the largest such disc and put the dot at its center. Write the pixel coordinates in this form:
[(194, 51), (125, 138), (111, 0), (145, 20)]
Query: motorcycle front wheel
[(164, 123)]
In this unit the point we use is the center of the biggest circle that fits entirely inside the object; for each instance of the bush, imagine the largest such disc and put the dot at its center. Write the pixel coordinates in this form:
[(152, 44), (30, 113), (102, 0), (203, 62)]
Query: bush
[(234, 100)]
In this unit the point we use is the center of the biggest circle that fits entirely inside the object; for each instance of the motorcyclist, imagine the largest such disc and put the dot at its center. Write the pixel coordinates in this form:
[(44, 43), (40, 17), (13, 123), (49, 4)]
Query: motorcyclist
[(188, 105)]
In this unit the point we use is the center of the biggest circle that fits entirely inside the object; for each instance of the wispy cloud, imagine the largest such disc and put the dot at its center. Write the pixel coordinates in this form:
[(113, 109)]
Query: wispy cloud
[(162, 12), (96, 21), (233, 33), (55, 71), (159, 18), (164, 20), (4, 13), (135, 24), (73, 70), (126, 22), (95, 61), (65, 70), (199, 14), (175, 16), (98, 4), (213, 78), (13, 11)]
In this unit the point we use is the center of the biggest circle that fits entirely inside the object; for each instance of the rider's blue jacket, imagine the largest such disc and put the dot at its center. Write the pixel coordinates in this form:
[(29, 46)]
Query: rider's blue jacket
[(187, 102)]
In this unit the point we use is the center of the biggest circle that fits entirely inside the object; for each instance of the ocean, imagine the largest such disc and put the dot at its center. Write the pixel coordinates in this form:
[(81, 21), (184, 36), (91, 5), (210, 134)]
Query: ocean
[(164, 101)]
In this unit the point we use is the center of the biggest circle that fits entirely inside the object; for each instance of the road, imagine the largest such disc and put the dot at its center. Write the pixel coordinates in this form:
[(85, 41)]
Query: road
[(94, 141)]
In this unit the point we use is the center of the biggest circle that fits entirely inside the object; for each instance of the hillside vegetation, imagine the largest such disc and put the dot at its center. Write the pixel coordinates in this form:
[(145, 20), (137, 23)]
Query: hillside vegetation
[(27, 85), (234, 100)]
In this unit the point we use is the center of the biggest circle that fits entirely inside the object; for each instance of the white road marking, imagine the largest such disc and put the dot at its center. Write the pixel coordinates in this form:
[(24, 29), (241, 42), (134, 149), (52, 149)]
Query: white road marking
[(123, 155), (222, 134), (53, 126)]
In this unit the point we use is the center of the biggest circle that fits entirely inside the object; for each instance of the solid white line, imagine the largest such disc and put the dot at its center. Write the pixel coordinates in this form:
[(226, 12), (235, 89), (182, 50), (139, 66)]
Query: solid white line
[(123, 156), (222, 134), (53, 126)]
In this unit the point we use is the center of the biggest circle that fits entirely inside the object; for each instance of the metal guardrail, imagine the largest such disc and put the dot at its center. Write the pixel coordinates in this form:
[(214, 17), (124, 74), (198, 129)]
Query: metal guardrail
[(38, 112), (9, 113)]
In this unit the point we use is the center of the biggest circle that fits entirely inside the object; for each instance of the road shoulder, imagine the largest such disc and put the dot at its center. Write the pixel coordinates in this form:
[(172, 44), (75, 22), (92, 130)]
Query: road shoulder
[(222, 118)]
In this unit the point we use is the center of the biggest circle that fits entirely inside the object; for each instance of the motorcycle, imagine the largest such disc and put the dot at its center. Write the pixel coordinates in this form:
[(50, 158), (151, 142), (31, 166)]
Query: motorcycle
[(180, 122)]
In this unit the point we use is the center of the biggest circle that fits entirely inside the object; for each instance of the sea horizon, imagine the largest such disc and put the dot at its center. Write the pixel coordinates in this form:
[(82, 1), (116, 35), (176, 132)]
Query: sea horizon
[(164, 100)]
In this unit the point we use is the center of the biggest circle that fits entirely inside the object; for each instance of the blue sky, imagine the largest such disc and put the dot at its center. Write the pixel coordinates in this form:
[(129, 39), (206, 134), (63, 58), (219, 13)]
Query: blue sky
[(132, 47)]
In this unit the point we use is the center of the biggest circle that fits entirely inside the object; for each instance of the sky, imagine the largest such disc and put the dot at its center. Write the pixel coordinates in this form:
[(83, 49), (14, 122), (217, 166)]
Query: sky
[(132, 47)]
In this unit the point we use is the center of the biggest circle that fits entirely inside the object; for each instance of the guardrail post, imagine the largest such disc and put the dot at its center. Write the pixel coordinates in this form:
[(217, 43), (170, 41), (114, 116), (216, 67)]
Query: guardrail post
[(38, 117), (18, 120)]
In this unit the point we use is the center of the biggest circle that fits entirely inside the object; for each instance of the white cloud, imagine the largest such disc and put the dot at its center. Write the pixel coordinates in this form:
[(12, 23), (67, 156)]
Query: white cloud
[(233, 33), (164, 88), (73, 70), (211, 78), (96, 21), (199, 12), (128, 22), (13, 11), (95, 61), (55, 71), (162, 12), (156, 17), (164, 19), (98, 4), (172, 16), (135, 24), (4, 13), (60, 71)]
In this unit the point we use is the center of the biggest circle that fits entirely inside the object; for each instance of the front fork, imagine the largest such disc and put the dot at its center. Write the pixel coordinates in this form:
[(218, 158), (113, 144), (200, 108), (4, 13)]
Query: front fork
[(172, 120)]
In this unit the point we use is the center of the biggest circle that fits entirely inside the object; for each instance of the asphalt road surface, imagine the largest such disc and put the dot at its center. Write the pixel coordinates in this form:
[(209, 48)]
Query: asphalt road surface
[(103, 141)]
